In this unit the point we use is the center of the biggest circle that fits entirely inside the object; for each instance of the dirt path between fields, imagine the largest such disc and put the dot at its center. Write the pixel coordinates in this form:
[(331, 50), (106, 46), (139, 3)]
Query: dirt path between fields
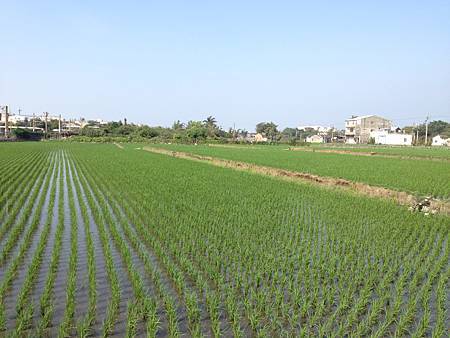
[(368, 153), (428, 205)]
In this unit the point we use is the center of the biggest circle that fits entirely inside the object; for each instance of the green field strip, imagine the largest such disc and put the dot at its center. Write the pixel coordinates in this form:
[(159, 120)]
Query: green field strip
[(415, 177)]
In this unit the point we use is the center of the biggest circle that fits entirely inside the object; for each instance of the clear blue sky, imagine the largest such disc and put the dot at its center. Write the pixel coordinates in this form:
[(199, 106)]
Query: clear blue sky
[(292, 62)]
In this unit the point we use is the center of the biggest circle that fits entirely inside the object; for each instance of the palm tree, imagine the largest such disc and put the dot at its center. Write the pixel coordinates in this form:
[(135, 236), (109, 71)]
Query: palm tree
[(211, 125), (177, 125), (210, 122)]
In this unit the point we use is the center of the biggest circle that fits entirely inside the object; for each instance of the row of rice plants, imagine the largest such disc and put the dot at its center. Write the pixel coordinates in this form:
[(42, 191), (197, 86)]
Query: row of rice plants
[(85, 324), (46, 301), (67, 323)]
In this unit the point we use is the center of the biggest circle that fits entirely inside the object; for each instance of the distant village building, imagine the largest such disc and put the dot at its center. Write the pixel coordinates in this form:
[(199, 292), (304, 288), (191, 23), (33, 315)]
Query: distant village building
[(13, 119), (255, 138), (391, 138), (439, 140), (315, 139), (358, 128), (259, 138), (319, 129), (102, 122)]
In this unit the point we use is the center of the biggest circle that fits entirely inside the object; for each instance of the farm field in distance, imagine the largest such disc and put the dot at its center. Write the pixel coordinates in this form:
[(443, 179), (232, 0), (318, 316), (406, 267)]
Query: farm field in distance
[(416, 176), (101, 240), (437, 153), (426, 152)]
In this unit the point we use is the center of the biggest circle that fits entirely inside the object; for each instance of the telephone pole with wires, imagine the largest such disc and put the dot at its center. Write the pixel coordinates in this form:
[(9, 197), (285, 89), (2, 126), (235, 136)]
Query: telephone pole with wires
[(426, 129), (59, 125), (46, 126)]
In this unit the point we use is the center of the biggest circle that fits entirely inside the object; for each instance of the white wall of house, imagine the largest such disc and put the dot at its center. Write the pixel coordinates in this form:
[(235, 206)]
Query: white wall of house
[(315, 139), (350, 140), (384, 137), (440, 141)]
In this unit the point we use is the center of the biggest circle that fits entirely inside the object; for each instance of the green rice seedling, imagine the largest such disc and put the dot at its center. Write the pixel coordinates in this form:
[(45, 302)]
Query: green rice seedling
[(151, 317), (2, 318), (172, 319), (423, 325), (132, 320), (193, 313), (24, 320)]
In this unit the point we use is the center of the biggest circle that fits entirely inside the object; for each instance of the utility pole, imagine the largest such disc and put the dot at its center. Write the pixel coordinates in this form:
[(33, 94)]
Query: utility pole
[(416, 141), (34, 122), (46, 116), (426, 130), (59, 125), (5, 108)]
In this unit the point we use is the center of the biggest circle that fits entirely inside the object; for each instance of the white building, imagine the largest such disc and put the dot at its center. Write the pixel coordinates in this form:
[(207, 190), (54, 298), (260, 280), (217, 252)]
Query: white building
[(319, 129), (256, 137), (12, 119), (315, 139), (394, 139), (439, 140), (101, 121)]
